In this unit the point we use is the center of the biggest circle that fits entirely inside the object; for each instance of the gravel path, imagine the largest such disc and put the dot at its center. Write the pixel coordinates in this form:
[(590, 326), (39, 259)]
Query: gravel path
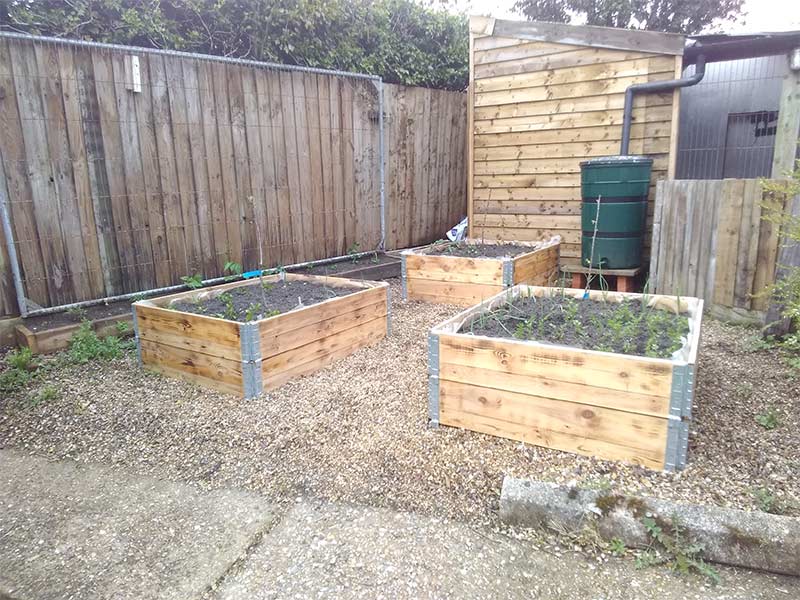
[(357, 431)]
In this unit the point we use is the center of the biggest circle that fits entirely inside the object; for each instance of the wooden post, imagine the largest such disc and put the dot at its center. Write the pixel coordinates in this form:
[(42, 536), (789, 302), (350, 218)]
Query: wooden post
[(786, 142), (788, 129)]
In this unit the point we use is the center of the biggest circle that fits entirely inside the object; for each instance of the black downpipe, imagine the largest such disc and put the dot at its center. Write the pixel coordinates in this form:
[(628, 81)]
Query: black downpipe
[(652, 87)]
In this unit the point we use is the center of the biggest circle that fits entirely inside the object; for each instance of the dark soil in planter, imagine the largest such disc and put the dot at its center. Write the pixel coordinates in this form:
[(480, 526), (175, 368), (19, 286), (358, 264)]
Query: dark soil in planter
[(247, 303), (624, 328), (343, 266), (76, 316), (480, 250)]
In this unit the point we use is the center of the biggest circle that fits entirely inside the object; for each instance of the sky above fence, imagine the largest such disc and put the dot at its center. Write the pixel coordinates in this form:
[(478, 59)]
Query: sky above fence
[(761, 15)]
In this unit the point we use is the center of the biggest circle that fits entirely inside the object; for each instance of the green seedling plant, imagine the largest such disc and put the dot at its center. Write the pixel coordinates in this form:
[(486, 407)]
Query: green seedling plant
[(766, 501), (78, 313), (233, 269), (252, 312), (768, 420), (21, 367), (123, 328), (673, 549), (47, 394), (193, 282), (353, 251), (230, 310), (617, 547)]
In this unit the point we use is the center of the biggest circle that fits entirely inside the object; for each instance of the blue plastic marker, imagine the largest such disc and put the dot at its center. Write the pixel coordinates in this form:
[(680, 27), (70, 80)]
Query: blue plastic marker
[(251, 274)]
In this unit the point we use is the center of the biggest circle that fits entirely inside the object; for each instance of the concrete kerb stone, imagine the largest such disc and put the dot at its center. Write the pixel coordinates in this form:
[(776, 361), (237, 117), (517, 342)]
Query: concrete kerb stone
[(754, 540)]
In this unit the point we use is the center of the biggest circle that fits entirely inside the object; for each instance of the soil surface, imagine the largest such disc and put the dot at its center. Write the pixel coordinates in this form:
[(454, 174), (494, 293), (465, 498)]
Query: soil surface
[(357, 431), (75, 317), (343, 266), (480, 250), (624, 328), (251, 303)]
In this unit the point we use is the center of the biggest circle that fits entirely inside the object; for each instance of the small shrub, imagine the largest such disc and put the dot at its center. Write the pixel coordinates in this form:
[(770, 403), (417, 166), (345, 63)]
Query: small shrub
[(77, 312), (123, 328), (768, 420), (14, 380), (252, 312), (86, 346), (193, 282), (353, 251), (234, 269)]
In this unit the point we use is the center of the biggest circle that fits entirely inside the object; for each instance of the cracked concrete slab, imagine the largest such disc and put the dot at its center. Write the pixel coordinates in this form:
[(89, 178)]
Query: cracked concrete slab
[(70, 530), (348, 552)]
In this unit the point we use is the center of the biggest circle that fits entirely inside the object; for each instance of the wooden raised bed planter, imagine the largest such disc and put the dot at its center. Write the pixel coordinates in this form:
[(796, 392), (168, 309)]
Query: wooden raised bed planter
[(246, 358), (465, 281), (611, 406), (46, 341)]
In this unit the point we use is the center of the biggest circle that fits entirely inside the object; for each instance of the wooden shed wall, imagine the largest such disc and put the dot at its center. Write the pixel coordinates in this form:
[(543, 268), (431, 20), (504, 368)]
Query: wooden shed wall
[(541, 106)]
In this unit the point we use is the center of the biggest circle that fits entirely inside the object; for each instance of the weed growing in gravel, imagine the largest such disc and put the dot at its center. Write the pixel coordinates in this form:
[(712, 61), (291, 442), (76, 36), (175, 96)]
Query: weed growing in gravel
[(617, 547), (674, 550), (767, 502), (47, 394), (123, 328), (768, 420), (86, 346), (21, 367)]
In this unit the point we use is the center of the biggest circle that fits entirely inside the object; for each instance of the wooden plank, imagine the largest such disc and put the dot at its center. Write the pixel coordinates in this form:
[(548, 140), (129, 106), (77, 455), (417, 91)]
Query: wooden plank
[(198, 333), (151, 180), (537, 268), (294, 109), (583, 104), (600, 37), (167, 169), (133, 171), (313, 357), (184, 183), (215, 372), (348, 165), (584, 420), (337, 168), (454, 269), (788, 127), (589, 133), (271, 227), (768, 246), (579, 150), (748, 245), (728, 242), (256, 202), (199, 162), (539, 165), (568, 90), (285, 163), (327, 164), (58, 150), (595, 369), (549, 439), (604, 118), (316, 201), (576, 74), (213, 164), (14, 170), (523, 49), (447, 292), (241, 159), (227, 164), (41, 179)]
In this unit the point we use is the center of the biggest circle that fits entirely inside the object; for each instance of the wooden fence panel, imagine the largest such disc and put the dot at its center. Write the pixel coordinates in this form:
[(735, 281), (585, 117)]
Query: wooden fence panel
[(710, 241), (113, 190)]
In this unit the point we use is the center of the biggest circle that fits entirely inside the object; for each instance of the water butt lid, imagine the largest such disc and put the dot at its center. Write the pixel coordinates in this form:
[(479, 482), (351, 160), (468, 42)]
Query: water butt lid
[(619, 160)]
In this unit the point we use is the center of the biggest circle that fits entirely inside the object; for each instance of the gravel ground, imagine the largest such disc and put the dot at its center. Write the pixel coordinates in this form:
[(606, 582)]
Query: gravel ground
[(357, 431)]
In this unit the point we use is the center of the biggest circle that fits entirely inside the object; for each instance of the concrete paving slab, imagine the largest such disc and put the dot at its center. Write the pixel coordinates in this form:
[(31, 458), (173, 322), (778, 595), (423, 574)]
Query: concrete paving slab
[(70, 530), (347, 552)]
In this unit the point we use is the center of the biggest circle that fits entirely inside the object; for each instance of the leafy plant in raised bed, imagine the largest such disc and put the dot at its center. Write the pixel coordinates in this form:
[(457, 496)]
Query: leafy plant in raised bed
[(627, 327), (77, 312), (674, 550), (233, 269)]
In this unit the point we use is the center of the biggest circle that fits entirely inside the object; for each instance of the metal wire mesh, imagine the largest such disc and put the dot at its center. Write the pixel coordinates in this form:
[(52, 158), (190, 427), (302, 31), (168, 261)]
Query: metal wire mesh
[(727, 120)]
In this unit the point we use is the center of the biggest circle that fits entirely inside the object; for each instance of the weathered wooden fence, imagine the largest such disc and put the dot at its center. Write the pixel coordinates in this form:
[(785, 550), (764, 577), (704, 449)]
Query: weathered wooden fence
[(710, 241), (117, 183)]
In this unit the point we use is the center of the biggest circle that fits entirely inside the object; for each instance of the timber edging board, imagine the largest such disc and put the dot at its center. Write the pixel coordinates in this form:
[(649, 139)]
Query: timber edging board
[(602, 404), (245, 359), (47, 341), (465, 281)]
